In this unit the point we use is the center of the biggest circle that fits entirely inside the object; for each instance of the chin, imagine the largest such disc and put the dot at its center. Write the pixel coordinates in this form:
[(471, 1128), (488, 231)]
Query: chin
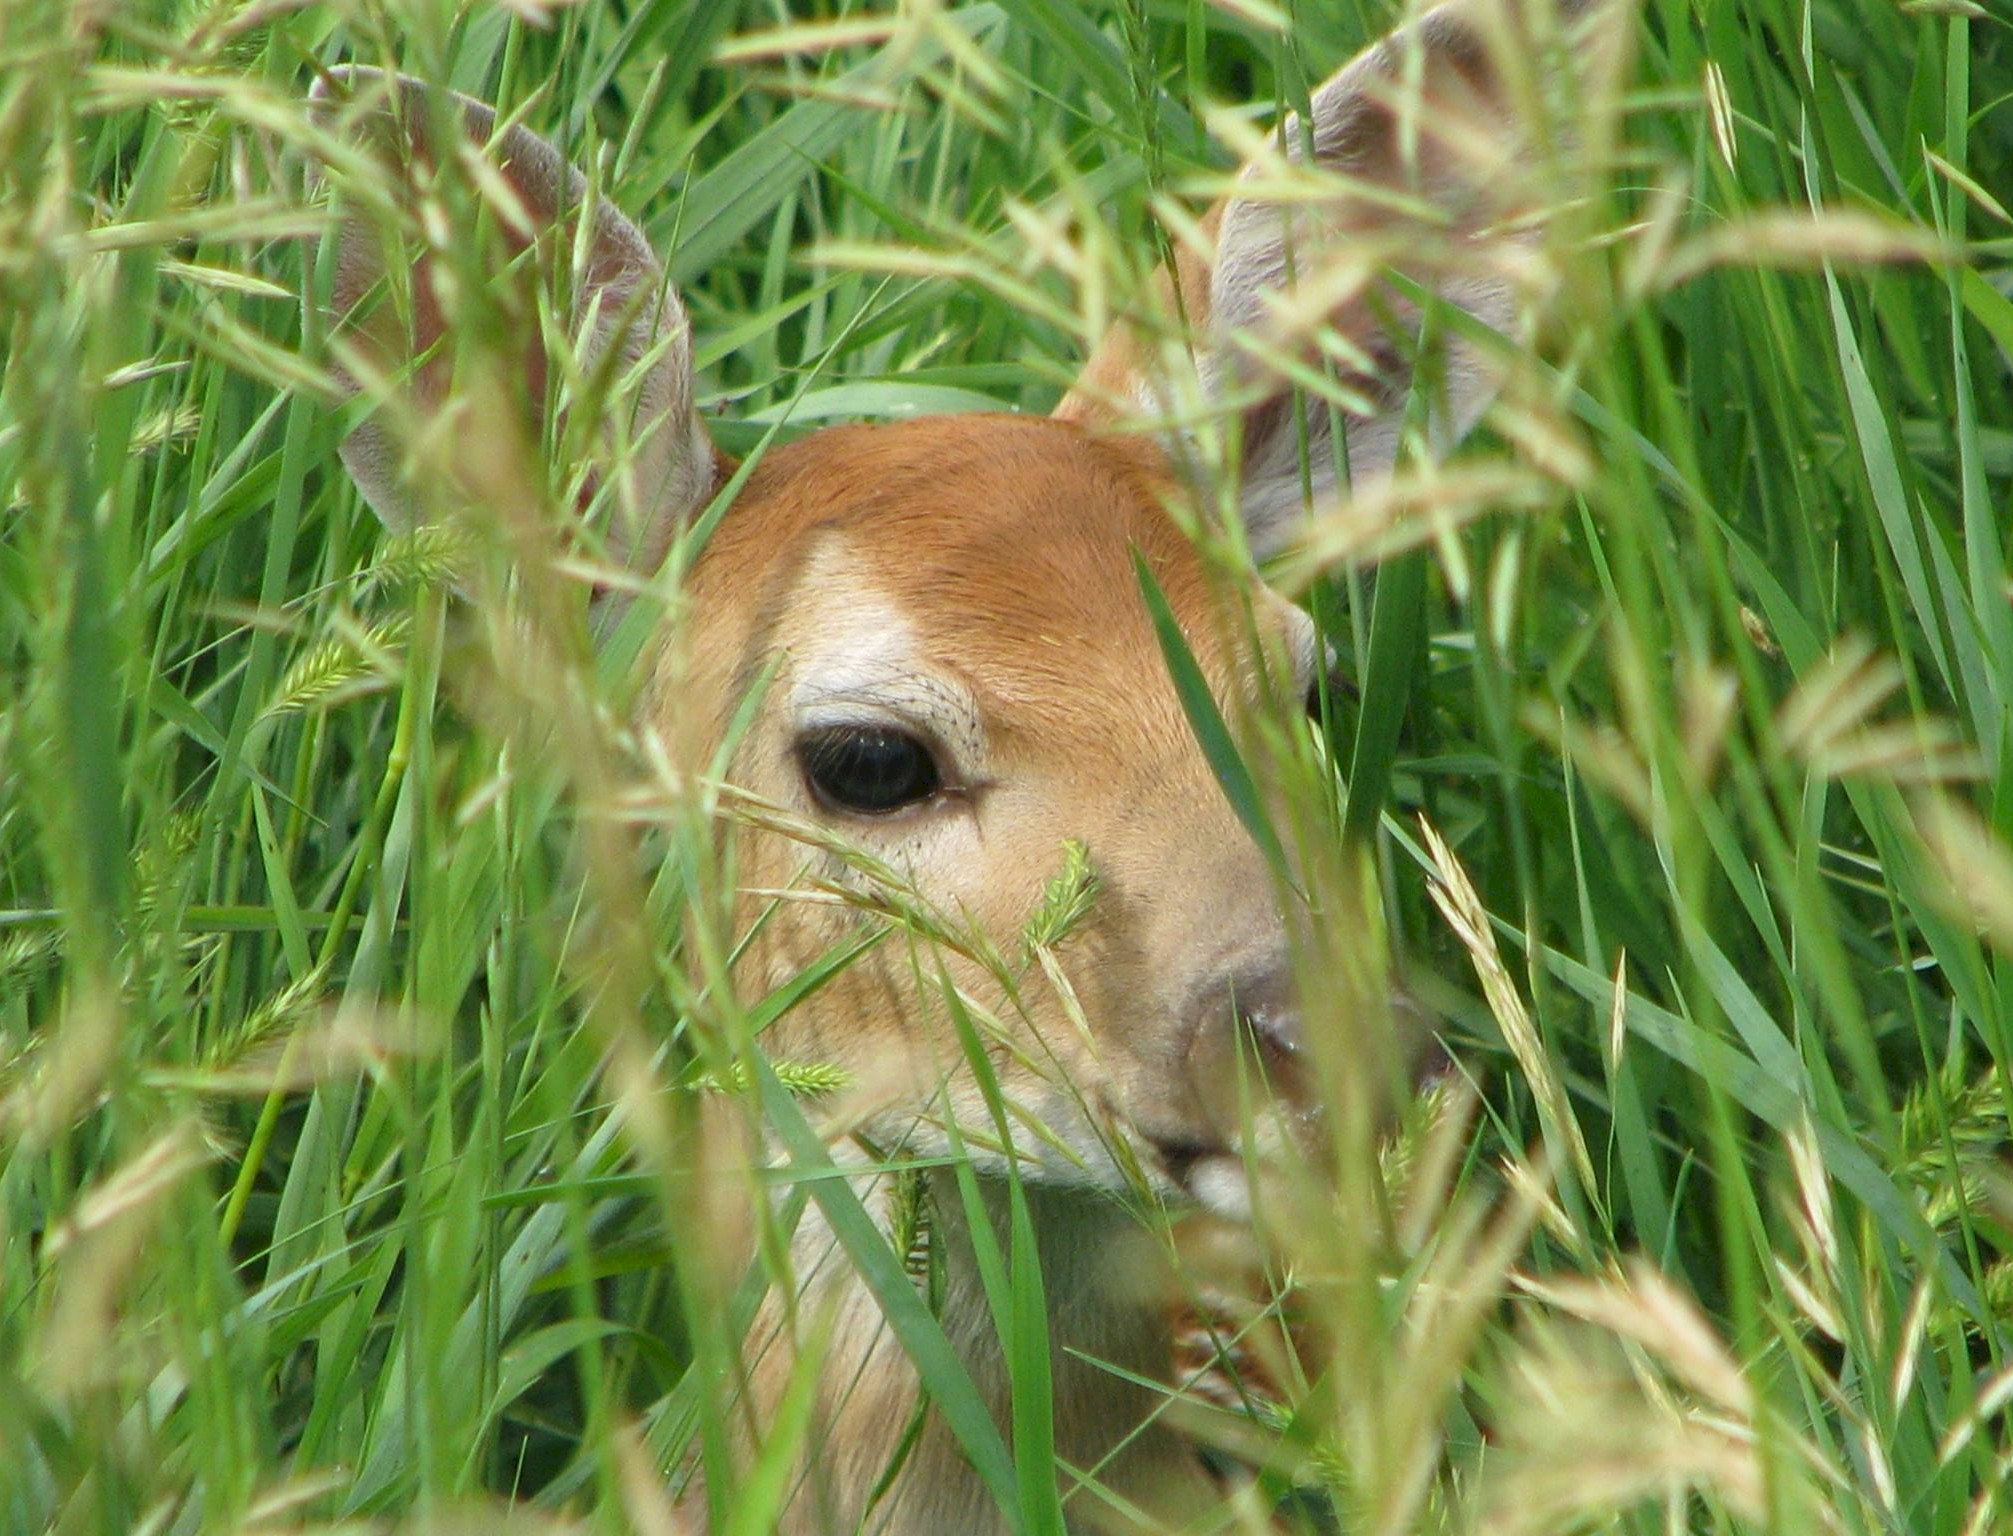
[(1221, 1184)]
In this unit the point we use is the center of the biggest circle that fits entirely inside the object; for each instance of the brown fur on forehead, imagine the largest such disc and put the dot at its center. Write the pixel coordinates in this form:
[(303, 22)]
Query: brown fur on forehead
[(1006, 540)]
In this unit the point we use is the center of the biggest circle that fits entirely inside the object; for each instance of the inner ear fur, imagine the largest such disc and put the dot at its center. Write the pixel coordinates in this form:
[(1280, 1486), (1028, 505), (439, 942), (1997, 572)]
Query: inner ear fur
[(393, 328), (1431, 161)]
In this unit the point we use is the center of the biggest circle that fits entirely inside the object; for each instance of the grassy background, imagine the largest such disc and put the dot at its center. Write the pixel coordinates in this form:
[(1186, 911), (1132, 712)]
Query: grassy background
[(316, 1198)]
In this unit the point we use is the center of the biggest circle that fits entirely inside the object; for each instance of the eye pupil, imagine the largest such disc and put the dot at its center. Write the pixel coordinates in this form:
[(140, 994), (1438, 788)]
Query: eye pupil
[(869, 770)]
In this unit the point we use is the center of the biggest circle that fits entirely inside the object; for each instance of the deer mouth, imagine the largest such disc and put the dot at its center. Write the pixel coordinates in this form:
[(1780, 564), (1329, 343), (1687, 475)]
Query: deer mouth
[(1212, 1174)]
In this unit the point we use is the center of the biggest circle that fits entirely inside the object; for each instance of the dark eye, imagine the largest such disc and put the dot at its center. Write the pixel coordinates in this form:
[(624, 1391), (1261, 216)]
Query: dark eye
[(869, 770)]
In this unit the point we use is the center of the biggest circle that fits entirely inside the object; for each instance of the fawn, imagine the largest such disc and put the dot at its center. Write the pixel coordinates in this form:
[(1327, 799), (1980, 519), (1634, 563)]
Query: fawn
[(959, 675)]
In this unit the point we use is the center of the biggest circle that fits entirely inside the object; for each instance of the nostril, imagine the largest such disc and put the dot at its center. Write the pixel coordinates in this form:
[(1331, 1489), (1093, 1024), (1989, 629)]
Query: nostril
[(1265, 1006), (1276, 1029)]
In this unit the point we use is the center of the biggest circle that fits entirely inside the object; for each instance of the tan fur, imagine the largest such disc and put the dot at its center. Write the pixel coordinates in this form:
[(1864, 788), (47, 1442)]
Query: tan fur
[(970, 580), (1085, 738)]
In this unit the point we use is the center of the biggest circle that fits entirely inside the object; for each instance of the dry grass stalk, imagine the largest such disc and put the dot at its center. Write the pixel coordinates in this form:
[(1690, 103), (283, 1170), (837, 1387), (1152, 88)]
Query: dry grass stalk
[(1454, 894)]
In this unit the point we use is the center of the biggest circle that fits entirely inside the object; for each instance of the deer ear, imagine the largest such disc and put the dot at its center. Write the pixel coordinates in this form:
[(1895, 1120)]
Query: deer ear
[(392, 328), (1422, 159)]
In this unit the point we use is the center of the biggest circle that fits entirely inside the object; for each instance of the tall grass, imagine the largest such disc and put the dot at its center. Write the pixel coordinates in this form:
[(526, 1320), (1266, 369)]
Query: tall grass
[(356, 982)]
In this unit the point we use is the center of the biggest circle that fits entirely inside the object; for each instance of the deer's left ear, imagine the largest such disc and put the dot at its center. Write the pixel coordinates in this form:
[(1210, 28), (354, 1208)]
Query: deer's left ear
[(396, 326), (1422, 148)]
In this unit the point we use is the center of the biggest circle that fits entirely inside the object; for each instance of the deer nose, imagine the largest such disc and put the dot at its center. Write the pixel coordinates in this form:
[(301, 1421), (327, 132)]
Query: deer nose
[(1261, 1005), (1258, 1005)]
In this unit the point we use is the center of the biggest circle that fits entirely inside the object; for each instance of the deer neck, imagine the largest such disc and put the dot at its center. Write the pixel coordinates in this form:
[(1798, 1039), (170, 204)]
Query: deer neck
[(1108, 1334), (1105, 1292)]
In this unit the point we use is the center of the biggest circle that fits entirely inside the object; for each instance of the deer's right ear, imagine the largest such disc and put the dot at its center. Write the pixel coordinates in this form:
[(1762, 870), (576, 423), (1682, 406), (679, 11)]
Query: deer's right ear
[(392, 327), (1425, 167)]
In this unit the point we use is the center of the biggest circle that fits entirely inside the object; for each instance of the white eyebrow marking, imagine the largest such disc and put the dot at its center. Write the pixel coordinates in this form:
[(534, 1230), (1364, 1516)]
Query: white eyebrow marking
[(863, 663)]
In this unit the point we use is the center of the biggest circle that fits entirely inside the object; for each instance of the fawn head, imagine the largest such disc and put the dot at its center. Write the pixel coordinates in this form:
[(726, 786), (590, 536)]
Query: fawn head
[(940, 621)]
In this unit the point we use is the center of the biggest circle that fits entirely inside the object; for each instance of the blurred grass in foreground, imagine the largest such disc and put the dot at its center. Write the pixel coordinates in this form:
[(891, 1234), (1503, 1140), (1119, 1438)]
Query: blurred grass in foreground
[(336, 1172)]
